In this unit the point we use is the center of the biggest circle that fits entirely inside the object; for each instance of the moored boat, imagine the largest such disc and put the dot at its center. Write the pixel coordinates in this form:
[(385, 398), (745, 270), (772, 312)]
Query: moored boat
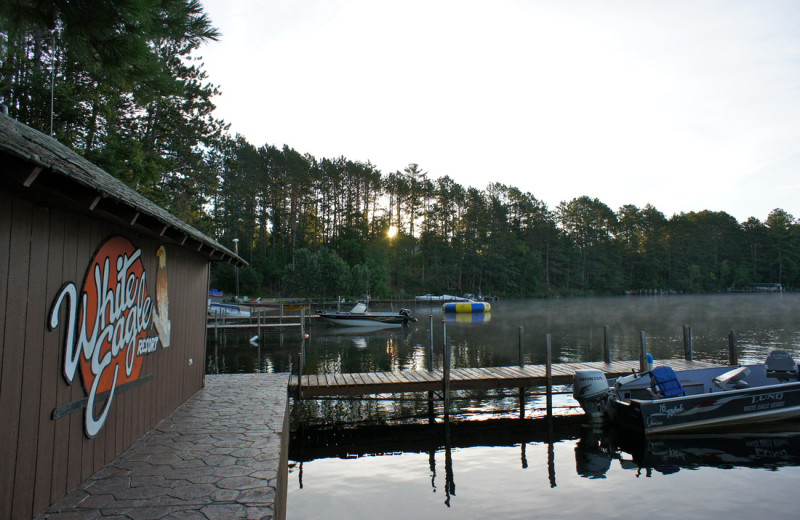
[(228, 310), (359, 316), (663, 400)]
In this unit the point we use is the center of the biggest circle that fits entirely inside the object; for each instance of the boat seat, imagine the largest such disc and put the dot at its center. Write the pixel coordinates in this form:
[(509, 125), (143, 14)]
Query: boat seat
[(780, 364), (665, 383), (732, 379)]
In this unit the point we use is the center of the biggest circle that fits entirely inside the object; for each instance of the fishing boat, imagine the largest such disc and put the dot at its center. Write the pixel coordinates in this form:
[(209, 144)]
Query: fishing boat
[(663, 400), (359, 316), (227, 310)]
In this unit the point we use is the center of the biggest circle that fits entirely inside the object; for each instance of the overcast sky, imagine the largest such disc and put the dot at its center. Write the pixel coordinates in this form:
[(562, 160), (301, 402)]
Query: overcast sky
[(683, 104)]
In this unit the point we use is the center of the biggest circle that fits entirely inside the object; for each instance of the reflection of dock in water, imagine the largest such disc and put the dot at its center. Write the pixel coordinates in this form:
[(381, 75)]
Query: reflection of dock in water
[(308, 444)]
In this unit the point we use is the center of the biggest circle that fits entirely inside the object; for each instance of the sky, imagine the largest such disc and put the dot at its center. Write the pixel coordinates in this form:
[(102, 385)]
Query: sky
[(687, 105)]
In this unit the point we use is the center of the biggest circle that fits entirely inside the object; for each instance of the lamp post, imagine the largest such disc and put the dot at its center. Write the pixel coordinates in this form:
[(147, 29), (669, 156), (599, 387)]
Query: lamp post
[(236, 250)]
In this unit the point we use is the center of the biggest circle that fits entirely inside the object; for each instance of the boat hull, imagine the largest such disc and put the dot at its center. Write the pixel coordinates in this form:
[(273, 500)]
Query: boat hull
[(709, 410), (365, 320)]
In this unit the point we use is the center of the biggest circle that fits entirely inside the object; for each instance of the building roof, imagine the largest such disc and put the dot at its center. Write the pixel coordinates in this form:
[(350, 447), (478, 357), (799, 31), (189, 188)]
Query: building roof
[(39, 167)]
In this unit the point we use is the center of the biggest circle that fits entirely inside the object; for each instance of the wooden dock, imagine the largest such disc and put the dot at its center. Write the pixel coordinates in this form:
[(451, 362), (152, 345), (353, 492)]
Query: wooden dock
[(317, 385)]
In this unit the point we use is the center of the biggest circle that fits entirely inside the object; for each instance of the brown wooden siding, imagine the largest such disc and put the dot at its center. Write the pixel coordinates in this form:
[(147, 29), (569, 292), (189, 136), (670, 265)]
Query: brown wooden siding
[(41, 248)]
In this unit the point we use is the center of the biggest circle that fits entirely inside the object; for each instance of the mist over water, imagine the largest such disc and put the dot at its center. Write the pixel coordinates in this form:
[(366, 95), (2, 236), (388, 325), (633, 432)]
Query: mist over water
[(762, 322)]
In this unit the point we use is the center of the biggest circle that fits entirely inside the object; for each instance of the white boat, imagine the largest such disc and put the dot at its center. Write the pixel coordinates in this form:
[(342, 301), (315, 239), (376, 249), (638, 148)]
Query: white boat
[(359, 316), (440, 298), (228, 310), (663, 400)]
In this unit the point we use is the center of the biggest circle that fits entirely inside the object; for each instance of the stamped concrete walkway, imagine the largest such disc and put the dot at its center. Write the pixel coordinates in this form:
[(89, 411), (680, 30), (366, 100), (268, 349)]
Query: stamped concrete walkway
[(220, 455)]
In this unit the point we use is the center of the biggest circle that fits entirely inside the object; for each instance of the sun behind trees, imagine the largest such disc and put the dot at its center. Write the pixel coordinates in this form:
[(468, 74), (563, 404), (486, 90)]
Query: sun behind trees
[(128, 92)]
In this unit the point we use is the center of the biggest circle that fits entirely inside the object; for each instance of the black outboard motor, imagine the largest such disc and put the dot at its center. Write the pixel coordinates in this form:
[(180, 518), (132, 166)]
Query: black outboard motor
[(406, 313)]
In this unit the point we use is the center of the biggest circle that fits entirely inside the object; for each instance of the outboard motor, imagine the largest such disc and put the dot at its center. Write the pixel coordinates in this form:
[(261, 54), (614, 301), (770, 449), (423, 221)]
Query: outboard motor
[(406, 313), (590, 389)]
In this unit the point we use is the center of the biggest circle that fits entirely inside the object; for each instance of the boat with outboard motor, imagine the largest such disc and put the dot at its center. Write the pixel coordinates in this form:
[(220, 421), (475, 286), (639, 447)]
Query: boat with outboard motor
[(663, 400), (359, 316)]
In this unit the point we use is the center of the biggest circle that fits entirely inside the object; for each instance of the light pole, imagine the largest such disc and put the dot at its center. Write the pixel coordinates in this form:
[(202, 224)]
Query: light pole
[(236, 250)]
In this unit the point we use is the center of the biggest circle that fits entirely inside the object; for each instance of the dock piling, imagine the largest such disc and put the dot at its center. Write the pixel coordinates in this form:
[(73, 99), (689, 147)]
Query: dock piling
[(732, 358), (446, 378), (687, 343), (606, 345), (521, 364), (548, 374), (430, 342), (643, 354)]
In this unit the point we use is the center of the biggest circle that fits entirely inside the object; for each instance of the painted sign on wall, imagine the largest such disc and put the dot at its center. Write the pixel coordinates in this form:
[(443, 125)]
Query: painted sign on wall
[(108, 325)]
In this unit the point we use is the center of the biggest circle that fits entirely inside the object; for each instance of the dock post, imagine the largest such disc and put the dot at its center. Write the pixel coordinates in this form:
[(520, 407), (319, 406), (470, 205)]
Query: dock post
[(548, 374), (521, 364), (300, 375), (643, 355), (259, 322), (732, 358), (606, 345), (430, 343), (444, 334), (302, 322), (446, 378), (687, 343)]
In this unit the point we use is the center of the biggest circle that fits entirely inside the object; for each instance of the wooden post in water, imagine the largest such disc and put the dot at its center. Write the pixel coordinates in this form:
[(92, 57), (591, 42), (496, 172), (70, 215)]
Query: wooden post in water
[(643, 354), (687, 343), (300, 373), (548, 375), (606, 345), (302, 321), (430, 343), (521, 364), (446, 378), (732, 358), (430, 367)]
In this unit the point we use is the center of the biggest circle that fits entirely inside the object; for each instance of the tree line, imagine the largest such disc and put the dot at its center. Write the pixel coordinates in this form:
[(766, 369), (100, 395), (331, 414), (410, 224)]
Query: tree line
[(129, 92)]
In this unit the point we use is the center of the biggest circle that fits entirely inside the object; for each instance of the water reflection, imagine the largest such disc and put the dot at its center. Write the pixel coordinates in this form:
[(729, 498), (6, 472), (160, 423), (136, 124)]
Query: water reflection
[(769, 448), (504, 468)]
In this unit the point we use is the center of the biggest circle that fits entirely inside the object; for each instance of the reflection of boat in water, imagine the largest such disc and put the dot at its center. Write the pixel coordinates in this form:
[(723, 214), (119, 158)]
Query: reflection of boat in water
[(359, 316), (662, 400), (361, 336), (597, 450)]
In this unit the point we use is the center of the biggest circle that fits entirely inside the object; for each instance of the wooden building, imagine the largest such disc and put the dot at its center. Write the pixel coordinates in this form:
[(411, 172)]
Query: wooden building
[(103, 301)]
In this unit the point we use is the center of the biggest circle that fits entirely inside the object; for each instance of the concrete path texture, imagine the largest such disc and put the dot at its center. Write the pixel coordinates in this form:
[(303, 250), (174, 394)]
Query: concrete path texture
[(220, 455)]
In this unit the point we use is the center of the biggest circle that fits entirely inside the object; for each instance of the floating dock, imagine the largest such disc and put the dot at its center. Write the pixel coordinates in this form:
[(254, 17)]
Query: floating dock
[(364, 383)]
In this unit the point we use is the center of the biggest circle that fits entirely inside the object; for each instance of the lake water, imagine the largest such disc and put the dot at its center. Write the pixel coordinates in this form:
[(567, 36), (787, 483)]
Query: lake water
[(386, 458)]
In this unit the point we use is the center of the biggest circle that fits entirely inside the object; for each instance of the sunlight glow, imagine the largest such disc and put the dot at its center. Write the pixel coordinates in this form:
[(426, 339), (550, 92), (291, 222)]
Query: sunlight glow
[(392, 231)]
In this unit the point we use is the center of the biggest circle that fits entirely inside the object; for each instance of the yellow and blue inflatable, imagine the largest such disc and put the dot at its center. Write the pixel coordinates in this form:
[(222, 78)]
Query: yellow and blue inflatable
[(466, 307)]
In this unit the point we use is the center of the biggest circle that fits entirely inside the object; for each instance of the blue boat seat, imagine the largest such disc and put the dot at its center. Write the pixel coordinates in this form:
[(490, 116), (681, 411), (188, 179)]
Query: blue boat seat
[(665, 383)]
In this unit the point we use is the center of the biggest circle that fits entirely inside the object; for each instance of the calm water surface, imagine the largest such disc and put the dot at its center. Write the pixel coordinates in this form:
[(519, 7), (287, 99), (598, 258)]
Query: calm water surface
[(383, 459)]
